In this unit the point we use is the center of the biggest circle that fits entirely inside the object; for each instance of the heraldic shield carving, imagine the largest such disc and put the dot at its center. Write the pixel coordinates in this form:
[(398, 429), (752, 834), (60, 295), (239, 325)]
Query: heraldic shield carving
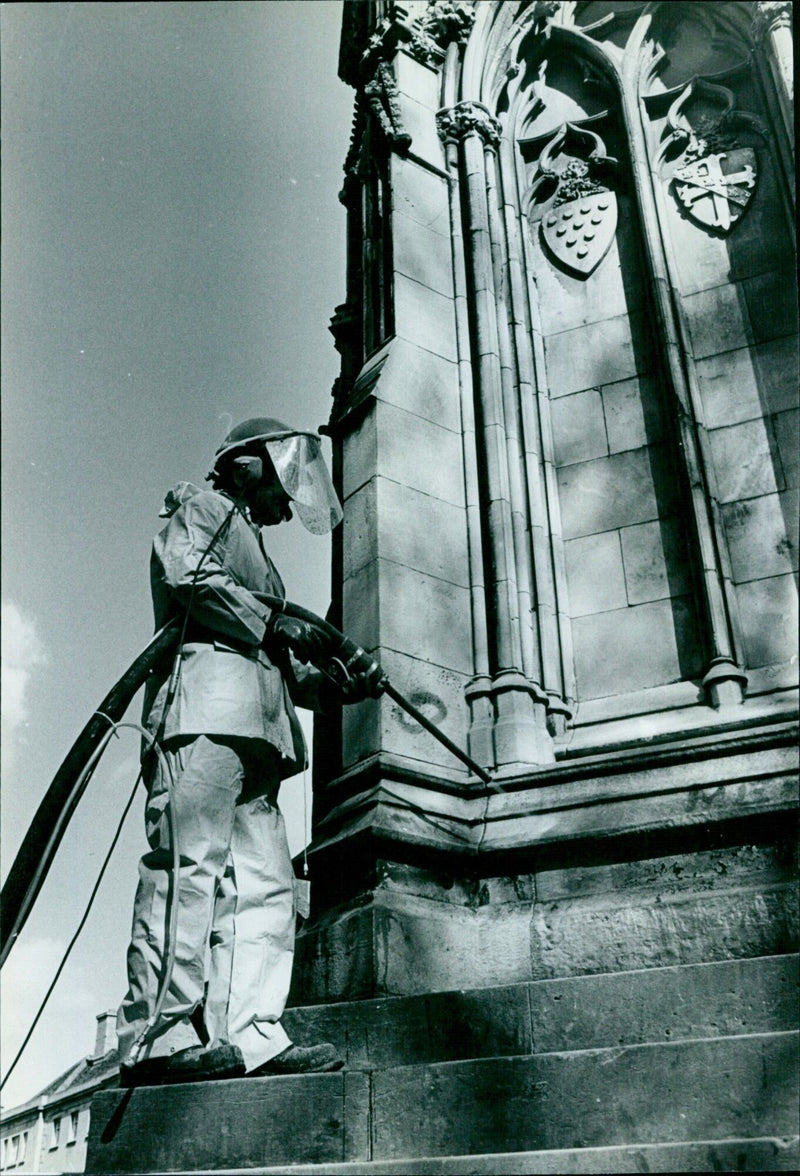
[(715, 177), (571, 201), (716, 189)]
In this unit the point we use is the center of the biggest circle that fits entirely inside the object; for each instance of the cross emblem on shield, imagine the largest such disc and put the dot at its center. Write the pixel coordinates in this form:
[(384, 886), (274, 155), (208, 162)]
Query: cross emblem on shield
[(716, 189), (579, 232)]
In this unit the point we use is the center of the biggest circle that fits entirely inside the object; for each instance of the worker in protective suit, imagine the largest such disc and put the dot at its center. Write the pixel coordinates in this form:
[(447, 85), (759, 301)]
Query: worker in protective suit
[(223, 719)]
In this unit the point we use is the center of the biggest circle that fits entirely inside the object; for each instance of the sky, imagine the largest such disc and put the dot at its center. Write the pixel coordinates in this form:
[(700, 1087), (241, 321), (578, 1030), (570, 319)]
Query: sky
[(173, 250)]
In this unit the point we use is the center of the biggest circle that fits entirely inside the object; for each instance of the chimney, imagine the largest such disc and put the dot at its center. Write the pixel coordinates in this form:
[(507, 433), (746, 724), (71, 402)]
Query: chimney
[(106, 1038)]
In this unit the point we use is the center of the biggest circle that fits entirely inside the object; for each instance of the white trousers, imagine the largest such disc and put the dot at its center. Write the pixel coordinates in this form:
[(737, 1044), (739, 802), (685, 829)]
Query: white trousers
[(235, 936)]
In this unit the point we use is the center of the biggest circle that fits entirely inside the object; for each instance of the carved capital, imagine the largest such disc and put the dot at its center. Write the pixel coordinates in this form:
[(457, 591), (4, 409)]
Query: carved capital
[(770, 15), (467, 118), (446, 21)]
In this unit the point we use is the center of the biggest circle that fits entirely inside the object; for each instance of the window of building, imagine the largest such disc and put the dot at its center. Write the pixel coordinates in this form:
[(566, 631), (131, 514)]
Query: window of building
[(13, 1150), (23, 1147), (55, 1132), (72, 1127)]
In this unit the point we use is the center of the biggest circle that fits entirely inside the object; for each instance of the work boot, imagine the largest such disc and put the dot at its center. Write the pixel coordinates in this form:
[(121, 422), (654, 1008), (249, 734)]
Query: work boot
[(196, 1064), (301, 1059)]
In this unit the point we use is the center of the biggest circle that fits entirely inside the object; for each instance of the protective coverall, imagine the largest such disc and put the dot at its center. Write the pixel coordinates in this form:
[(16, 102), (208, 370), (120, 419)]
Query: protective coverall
[(229, 735)]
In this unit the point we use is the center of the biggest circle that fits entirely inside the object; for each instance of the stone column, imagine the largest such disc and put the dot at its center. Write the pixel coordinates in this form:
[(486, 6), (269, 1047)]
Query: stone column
[(520, 735)]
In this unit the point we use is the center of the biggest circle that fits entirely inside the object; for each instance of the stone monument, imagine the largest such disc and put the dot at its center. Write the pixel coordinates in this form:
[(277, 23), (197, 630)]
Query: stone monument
[(565, 437)]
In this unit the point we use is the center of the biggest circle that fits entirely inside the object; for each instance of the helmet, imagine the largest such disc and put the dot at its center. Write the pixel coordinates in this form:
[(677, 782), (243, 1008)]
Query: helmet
[(299, 465), (255, 429)]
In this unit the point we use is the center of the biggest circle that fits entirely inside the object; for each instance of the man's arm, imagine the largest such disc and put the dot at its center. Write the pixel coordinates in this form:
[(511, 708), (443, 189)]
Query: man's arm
[(191, 553)]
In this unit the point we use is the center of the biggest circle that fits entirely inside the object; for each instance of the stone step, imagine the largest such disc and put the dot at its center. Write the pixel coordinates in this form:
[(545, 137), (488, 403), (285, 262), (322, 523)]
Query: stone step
[(668, 1093), (676, 1093), (713, 1155), (725, 998)]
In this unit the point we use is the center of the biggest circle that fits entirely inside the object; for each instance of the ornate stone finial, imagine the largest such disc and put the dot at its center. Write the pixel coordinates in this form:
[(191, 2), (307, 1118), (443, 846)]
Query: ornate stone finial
[(465, 118), (770, 15)]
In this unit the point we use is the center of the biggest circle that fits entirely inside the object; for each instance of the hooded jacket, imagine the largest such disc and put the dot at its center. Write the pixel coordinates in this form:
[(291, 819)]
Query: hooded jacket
[(226, 683)]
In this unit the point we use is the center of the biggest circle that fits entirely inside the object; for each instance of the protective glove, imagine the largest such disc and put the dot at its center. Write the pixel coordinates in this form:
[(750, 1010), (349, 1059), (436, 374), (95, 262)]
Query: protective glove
[(364, 684), (306, 641)]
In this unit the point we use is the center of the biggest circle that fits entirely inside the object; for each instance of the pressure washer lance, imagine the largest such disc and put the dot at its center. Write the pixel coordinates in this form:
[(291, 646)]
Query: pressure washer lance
[(345, 658), (35, 856)]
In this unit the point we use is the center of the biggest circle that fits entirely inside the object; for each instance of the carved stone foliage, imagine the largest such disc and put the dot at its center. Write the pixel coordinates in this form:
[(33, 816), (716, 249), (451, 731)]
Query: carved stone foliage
[(571, 201), (468, 118), (770, 15), (713, 177), (424, 37)]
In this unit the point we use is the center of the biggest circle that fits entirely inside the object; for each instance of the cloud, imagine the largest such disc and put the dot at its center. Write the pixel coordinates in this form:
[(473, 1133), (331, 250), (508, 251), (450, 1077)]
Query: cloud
[(22, 651)]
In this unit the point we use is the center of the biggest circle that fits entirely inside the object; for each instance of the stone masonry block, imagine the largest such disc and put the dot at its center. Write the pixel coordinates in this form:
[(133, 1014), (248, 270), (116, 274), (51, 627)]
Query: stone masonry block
[(578, 427), (746, 460), (360, 528), (417, 81), (361, 605), (659, 931), (731, 997), (420, 454), (425, 317), (565, 303), (422, 532), (762, 536), (419, 121), (655, 561), (787, 434), (422, 254), (434, 690), (420, 194), (395, 607), (595, 576), (586, 357), (718, 1089), (749, 383), (633, 413), (772, 303), (410, 449), (778, 367), (395, 522), (421, 383), (768, 615), (700, 260), (360, 454), (717, 320), (607, 493), (253, 1122), (633, 648)]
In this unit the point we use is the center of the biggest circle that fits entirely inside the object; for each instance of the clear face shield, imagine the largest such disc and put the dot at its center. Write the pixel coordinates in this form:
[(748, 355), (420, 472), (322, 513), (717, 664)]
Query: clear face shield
[(303, 474)]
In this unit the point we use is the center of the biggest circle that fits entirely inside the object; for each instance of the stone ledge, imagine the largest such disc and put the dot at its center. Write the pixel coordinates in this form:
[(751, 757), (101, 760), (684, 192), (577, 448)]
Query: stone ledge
[(727, 997), (712, 1155), (733, 1087)]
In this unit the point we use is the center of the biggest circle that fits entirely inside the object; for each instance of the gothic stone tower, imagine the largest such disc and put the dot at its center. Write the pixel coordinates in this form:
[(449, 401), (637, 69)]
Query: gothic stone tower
[(565, 435), (565, 438)]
